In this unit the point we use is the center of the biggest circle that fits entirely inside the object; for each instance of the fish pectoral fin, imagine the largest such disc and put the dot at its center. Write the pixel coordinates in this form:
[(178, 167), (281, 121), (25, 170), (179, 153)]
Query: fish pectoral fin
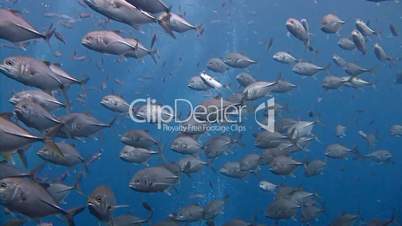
[(27, 136), (120, 206), (7, 156), (53, 205), (55, 68), (53, 146), (30, 30)]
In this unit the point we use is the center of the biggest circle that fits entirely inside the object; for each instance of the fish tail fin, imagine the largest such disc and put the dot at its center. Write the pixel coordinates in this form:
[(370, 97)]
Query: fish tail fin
[(153, 40), (77, 185), (153, 53), (357, 155), (69, 215), (66, 98), (111, 123), (22, 157), (49, 33), (326, 67), (92, 159), (150, 211), (84, 81), (200, 30), (372, 70), (8, 157)]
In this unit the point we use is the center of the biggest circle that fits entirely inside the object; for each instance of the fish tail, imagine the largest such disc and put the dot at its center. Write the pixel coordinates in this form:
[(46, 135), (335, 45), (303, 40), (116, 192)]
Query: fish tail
[(150, 211), (357, 155), (84, 81), (153, 53), (49, 33), (22, 157), (69, 215), (77, 186), (66, 98), (92, 159), (200, 30), (327, 67)]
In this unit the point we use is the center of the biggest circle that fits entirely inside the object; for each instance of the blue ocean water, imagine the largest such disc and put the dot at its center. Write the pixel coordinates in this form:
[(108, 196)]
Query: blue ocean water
[(362, 187)]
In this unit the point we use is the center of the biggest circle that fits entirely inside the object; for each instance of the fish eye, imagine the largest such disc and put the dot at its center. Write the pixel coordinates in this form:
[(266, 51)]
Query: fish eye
[(3, 185), (9, 62), (98, 198)]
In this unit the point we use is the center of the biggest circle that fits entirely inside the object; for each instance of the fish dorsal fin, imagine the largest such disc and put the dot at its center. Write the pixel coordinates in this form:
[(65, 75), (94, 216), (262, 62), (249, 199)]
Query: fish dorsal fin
[(6, 115), (16, 12), (118, 32), (279, 77)]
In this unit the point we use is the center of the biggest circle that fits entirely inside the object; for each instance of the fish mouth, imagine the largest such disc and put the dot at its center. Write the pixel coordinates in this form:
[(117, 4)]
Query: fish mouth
[(289, 23), (92, 203), (13, 100), (84, 41), (133, 185), (3, 68), (123, 157), (103, 102), (89, 2)]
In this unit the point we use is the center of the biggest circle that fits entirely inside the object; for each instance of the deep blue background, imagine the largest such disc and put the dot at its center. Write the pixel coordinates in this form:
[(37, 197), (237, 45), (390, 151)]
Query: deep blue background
[(371, 190)]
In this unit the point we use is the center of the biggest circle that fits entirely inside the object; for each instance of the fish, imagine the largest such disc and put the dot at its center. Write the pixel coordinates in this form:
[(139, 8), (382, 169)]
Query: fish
[(284, 57), (25, 196), (139, 138), (245, 79), (346, 44), (331, 23), (300, 31), (217, 65), (44, 99), (136, 154), (267, 186), (191, 213), (359, 41), (153, 179), (35, 116), (80, 125), (14, 28), (393, 30), (210, 81), (233, 169), (37, 73), (197, 83), (115, 103), (308, 69), (152, 6), (257, 90), (190, 164), (102, 202), (238, 60), (364, 28), (314, 168), (250, 163), (380, 53), (121, 11), (338, 151), (171, 23), (185, 145)]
